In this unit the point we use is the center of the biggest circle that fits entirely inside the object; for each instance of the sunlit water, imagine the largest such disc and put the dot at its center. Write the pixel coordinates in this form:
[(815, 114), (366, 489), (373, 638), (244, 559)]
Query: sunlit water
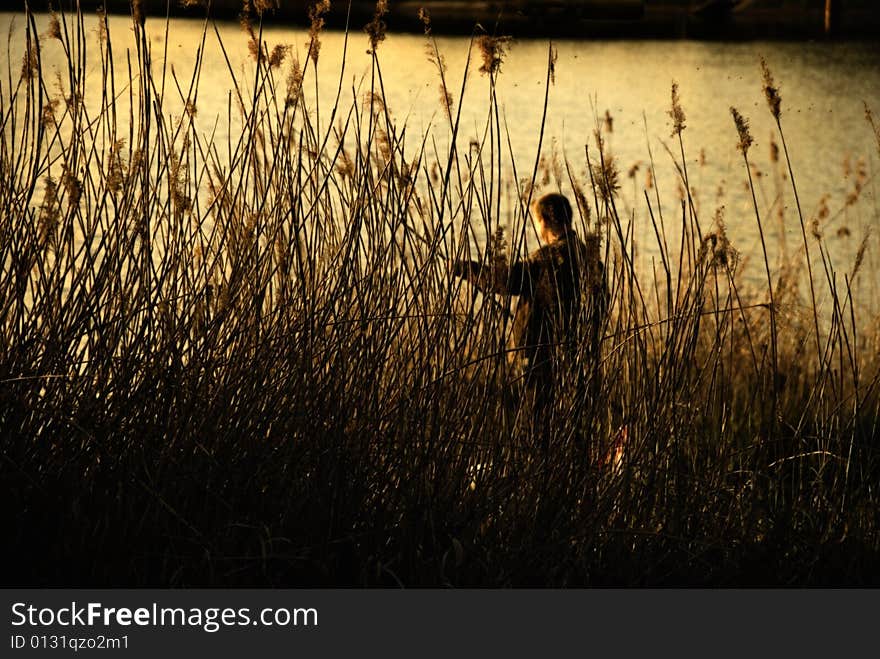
[(824, 87)]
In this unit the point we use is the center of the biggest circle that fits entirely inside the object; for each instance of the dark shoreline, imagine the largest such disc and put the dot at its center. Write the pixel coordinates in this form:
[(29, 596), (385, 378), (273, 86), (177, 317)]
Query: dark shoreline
[(624, 19)]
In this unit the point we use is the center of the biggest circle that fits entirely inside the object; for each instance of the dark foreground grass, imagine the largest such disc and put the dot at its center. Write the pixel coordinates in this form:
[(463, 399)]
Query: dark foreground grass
[(247, 363)]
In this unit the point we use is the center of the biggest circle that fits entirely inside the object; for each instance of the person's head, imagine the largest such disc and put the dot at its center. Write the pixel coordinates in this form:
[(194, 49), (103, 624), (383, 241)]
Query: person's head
[(553, 216)]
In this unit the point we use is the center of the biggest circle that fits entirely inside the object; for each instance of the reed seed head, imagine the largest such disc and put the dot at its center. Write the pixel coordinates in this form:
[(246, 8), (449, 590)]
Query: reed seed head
[(294, 82), (255, 50), (434, 57), (824, 211), (716, 248), (493, 51), (49, 213), (374, 101), (605, 174), (774, 150), (30, 61), (137, 12), (376, 28), (860, 253), (544, 168), (742, 128), (383, 141), (103, 28), (115, 171), (676, 112), (279, 52), (425, 18), (316, 17), (869, 117), (771, 91), (446, 100), (72, 187), (581, 200), (176, 184), (607, 178), (259, 7), (556, 164), (48, 115), (244, 20), (54, 31), (345, 166)]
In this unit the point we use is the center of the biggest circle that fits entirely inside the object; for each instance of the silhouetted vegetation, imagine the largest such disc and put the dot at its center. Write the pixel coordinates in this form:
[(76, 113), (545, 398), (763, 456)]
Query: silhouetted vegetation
[(247, 362)]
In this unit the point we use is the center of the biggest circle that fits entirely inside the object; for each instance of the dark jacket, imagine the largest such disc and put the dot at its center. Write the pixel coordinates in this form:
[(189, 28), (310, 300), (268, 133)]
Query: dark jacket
[(551, 285)]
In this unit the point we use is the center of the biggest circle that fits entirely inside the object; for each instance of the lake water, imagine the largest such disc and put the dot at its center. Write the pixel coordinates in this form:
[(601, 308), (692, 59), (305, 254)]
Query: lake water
[(823, 87)]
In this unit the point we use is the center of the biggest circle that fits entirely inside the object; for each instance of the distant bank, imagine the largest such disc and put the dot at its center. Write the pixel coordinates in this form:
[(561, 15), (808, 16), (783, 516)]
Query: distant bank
[(657, 19)]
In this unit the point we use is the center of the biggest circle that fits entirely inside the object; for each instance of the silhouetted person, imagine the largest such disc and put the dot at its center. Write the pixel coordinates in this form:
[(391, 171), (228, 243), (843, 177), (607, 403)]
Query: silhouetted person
[(552, 283)]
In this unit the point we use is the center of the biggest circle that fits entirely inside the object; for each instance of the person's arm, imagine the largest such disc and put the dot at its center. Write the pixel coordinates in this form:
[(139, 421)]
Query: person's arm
[(518, 279)]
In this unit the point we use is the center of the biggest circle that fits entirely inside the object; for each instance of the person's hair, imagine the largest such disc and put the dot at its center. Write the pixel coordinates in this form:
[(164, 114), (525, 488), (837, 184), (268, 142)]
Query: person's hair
[(555, 212)]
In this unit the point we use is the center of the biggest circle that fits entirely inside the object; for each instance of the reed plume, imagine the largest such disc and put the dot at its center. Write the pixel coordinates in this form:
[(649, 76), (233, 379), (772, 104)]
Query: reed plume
[(607, 177), (376, 28), (49, 214), (771, 91), (137, 12), (493, 51), (869, 117), (425, 18), (676, 112), (742, 129), (30, 60), (860, 254), (54, 29), (317, 12), (294, 82), (279, 52)]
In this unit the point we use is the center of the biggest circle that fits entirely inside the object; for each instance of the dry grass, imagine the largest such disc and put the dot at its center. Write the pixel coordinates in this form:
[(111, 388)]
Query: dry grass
[(248, 362)]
